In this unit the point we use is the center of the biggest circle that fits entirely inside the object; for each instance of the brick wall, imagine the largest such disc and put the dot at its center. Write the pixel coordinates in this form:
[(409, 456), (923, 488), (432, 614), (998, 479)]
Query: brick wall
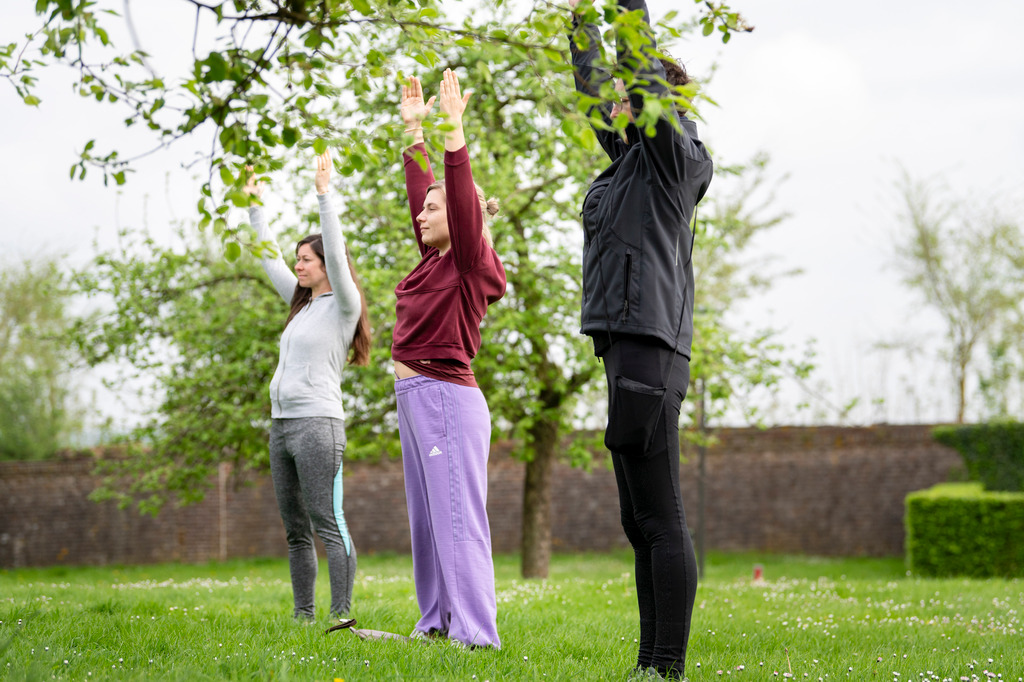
[(824, 490)]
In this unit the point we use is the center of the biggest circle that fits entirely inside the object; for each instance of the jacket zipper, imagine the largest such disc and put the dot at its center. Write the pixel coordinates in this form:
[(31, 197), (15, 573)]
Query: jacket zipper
[(284, 365), (628, 275)]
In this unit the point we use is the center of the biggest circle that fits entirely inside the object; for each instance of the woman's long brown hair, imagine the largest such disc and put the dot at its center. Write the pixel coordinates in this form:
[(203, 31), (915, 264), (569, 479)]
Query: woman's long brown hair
[(359, 349)]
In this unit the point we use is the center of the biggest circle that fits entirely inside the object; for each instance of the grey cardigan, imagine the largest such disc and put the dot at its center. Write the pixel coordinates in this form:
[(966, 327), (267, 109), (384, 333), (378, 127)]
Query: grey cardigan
[(314, 345)]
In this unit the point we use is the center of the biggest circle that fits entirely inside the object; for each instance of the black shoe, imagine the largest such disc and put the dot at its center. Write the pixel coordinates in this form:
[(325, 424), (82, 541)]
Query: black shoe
[(343, 624)]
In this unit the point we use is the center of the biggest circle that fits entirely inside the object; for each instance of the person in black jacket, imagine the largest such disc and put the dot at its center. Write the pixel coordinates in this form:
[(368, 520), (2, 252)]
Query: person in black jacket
[(638, 308)]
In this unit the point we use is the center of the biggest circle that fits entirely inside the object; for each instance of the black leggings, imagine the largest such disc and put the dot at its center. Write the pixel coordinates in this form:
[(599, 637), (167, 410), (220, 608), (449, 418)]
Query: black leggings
[(647, 474)]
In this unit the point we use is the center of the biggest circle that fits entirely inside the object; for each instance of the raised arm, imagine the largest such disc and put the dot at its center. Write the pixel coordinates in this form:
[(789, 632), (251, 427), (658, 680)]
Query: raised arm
[(417, 177), (465, 217), (335, 250), (585, 47), (676, 156), (281, 276)]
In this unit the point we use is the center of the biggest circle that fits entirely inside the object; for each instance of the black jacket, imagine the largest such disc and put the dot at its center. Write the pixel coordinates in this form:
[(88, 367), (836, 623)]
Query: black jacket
[(637, 273)]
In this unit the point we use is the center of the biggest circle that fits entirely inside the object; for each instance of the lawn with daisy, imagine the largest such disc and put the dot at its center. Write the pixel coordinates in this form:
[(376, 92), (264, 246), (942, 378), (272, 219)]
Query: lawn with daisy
[(807, 619)]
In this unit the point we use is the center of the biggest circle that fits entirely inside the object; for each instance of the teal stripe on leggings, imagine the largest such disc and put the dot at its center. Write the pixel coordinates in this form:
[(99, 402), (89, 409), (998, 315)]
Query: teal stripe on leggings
[(339, 513)]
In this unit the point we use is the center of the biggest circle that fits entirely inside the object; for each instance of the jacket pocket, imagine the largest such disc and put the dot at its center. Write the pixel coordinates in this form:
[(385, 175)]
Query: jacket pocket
[(296, 384)]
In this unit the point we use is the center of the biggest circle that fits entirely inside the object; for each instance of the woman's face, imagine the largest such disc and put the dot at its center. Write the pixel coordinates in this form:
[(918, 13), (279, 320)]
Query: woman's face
[(310, 269), (433, 221), (622, 106)]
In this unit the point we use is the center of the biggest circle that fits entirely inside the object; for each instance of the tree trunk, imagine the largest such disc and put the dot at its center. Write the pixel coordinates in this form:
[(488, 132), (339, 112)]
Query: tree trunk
[(536, 547), (961, 385)]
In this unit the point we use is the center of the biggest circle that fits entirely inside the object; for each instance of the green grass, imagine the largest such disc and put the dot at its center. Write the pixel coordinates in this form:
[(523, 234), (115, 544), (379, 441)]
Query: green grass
[(816, 619)]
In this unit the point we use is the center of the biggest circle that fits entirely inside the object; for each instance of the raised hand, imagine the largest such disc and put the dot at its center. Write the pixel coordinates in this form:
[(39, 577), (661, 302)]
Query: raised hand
[(323, 172), (453, 103), (414, 109), (252, 188)]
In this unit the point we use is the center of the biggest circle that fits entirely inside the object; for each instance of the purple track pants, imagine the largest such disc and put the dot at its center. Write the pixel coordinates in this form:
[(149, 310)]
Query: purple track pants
[(446, 431)]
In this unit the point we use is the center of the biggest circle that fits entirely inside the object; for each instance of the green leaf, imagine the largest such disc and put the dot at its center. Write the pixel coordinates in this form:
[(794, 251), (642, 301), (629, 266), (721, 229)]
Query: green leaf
[(319, 145), (362, 6), (232, 251), (289, 136), (216, 68), (652, 107), (225, 176), (314, 39), (31, 100), (237, 198), (427, 58), (588, 139), (568, 126)]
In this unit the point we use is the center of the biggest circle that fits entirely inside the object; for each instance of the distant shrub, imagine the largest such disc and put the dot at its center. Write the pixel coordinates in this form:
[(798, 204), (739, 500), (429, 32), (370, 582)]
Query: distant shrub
[(993, 453), (959, 529)]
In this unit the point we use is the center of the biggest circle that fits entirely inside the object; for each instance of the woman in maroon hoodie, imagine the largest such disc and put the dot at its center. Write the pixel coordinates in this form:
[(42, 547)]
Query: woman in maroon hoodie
[(443, 420)]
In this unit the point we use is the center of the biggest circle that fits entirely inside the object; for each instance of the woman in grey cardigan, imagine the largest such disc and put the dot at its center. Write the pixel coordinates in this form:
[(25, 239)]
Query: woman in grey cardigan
[(327, 323)]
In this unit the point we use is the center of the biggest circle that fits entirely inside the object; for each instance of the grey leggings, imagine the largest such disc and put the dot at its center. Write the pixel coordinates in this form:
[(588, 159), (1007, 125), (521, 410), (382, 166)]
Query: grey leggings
[(306, 465)]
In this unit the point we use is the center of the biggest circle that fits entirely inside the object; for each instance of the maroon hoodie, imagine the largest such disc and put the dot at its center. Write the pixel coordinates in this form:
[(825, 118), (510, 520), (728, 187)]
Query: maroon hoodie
[(443, 300)]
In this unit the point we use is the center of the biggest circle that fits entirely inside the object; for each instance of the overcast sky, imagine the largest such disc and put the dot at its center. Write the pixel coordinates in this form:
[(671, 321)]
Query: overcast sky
[(840, 95)]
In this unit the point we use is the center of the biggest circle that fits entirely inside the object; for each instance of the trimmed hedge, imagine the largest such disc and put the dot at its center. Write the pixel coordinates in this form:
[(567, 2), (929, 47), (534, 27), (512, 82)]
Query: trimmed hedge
[(993, 453), (959, 529)]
